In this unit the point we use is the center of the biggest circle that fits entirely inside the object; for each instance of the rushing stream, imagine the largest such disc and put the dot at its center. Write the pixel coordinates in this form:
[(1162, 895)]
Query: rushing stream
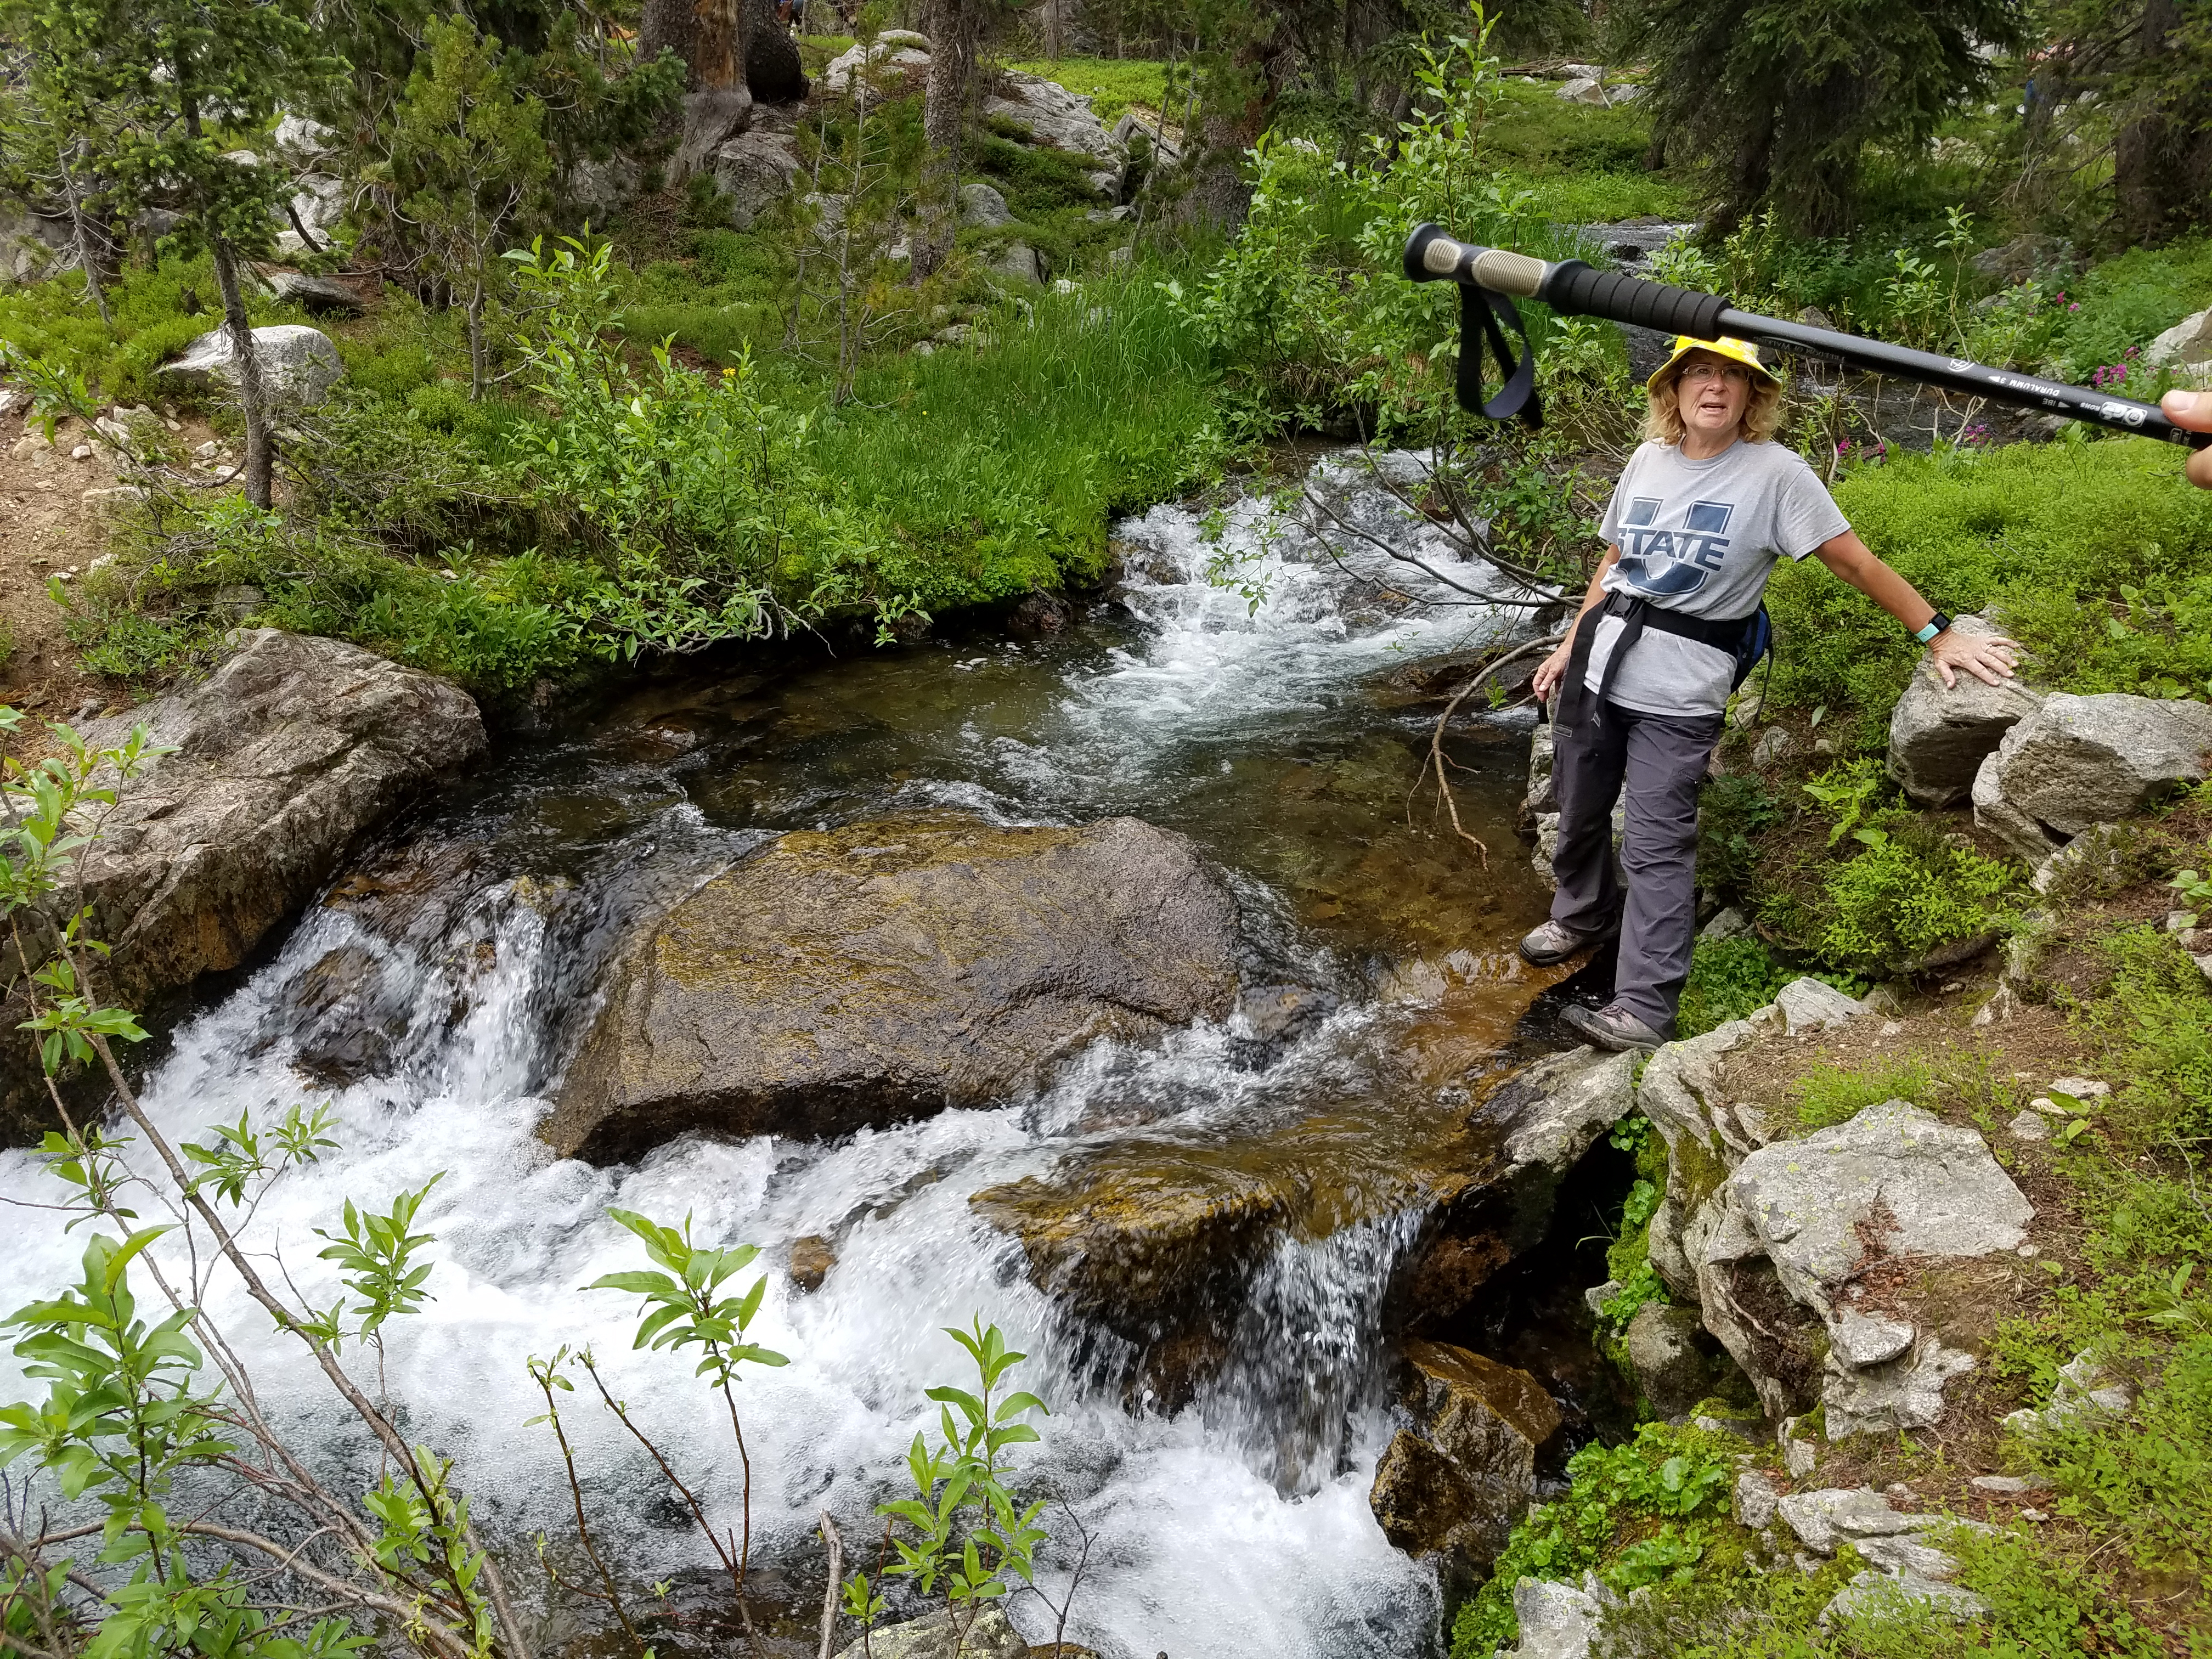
[(433, 995)]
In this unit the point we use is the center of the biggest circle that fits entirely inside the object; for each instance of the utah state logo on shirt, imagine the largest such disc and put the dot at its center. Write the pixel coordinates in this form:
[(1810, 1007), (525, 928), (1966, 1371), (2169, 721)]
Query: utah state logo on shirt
[(1672, 564)]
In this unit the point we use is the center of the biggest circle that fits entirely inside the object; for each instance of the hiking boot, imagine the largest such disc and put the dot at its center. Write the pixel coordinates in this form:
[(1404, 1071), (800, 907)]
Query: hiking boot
[(1554, 942), (1613, 1027)]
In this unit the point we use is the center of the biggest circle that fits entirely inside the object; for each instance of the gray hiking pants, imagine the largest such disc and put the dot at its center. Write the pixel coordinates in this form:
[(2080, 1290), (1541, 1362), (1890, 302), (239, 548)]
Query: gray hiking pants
[(1661, 758)]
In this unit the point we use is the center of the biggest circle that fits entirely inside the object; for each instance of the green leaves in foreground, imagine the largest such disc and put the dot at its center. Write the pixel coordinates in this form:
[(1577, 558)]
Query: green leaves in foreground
[(962, 1525), (683, 1308), (377, 1253)]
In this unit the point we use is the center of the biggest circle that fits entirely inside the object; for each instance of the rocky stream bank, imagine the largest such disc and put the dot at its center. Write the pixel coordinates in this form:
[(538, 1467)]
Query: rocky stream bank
[(1002, 975)]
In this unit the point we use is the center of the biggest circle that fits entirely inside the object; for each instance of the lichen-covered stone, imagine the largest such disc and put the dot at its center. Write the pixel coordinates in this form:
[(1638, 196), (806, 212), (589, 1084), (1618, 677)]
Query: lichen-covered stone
[(893, 968), (1939, 734), (1783, 1244), (1671, 1368)]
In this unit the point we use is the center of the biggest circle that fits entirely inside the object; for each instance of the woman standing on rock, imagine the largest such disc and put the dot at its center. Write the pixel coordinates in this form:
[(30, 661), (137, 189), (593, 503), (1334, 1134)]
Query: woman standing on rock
[(1704, 510)]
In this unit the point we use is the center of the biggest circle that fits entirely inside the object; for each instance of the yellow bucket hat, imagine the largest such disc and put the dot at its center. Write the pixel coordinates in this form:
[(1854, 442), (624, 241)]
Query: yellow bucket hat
[(1741, 351)]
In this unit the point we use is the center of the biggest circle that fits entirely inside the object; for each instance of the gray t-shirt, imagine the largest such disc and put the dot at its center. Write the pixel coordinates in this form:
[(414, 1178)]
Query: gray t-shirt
[(1701, 538)]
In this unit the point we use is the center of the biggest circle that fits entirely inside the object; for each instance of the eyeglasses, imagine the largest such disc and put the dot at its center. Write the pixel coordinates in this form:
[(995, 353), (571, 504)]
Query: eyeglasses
[(1728, 371)]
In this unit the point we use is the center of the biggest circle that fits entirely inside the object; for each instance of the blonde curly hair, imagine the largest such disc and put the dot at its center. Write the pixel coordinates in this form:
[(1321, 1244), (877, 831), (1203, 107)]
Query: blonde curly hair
[(1662, 421)]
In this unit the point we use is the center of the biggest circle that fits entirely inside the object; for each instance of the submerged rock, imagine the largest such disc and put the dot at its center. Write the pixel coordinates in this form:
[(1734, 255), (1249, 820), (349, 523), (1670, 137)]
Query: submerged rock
[(886, 970), (1451, 1485), (986, 1635), (1156, 1238)]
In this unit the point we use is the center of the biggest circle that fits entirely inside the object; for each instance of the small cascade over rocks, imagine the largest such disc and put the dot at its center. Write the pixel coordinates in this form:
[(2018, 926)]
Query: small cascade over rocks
[(1206, 1227)]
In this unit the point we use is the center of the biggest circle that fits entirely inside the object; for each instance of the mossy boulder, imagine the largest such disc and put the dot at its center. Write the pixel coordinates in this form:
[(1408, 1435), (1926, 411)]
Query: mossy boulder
[(1156, 1239), (1450, 1486), (883, 971)]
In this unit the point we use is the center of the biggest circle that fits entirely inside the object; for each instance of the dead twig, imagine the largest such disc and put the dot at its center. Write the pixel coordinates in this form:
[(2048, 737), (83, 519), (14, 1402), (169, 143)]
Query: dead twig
[(1439, 761)]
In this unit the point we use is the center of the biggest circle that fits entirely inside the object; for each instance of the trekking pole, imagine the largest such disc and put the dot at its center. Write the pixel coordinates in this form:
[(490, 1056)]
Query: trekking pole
[(1489, 276)]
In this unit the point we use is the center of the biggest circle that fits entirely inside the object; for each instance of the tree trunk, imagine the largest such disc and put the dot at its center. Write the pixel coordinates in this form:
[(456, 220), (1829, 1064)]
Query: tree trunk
[(944, 98), (2140, 145), (252, 390), (81, 225), (476, 340), (1220, 196), (773, 73), (671, 26), (2158, 179)]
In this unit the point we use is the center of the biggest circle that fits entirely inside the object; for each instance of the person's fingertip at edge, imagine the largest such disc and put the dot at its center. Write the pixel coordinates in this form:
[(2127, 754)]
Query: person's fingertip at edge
[(2192, 409)]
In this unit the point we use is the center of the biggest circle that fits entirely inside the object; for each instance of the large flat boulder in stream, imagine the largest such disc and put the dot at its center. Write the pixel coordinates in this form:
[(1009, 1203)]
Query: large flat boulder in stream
[(888, 970)]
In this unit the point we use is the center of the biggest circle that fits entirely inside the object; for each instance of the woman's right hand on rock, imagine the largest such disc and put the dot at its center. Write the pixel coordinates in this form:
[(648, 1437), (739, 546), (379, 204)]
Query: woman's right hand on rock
[(1551, 670), (2193, 409)]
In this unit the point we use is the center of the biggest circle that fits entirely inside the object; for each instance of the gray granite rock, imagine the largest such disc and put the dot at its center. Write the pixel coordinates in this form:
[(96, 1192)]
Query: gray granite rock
[(1939, 735), (299, 364), (2076, 762)]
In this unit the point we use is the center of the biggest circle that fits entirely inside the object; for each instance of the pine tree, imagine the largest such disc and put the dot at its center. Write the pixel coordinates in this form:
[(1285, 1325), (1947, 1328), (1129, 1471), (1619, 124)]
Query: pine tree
[(472, 147), (1775, 100), (171, 84), (2148, 65)]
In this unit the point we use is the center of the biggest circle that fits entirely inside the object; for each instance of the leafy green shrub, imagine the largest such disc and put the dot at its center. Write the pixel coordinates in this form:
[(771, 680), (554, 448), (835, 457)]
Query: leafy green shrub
[(1308, 311), (2128, 301), (1680, 1478), (1909, 894), (2054, 535), (1730, 979), (1732, 811), (2157, 1015)]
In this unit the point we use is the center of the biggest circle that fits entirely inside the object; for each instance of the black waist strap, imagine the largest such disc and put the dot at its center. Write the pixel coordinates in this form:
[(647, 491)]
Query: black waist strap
[(1636, 615)]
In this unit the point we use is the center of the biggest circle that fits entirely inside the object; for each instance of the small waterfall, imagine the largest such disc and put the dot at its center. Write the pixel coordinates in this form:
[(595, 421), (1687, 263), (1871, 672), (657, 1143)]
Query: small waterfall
[(431, 998)]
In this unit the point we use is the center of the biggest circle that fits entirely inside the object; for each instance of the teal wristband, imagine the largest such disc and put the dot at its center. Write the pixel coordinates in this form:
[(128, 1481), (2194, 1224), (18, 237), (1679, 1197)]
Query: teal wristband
[(1935, 625)]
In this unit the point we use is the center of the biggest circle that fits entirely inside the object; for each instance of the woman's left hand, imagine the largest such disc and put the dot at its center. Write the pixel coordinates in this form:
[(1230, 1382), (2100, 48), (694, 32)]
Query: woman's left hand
[(1987, 657)]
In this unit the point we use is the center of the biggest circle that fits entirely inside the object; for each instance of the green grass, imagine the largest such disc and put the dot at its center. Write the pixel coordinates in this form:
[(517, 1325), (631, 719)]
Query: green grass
[(156, 314), (1008, 462), (2129, 300), (1583, 164), (1826, 1096), (1112, 84), (2099, 555), (1577, 198), (967, 478)]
